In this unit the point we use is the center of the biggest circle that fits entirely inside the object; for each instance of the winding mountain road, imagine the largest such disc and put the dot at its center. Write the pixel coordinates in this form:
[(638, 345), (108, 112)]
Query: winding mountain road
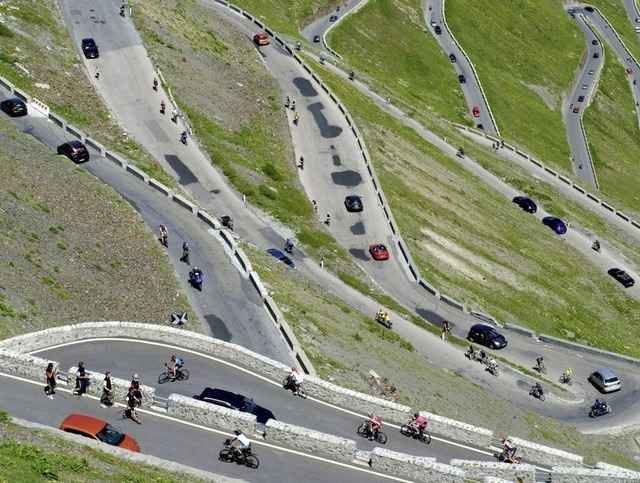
[(315, 32)]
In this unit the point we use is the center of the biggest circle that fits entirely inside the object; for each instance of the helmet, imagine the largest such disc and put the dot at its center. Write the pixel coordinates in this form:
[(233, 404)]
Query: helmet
[(173, 357), (415, 415), (136, 377)]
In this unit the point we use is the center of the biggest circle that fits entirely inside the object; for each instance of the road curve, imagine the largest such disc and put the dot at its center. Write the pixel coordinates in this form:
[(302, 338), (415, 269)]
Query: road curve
[(317, 30), (434, 16), (633, 13)]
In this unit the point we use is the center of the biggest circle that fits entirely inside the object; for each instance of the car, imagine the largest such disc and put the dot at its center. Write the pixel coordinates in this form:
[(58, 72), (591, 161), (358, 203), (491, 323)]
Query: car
[(353, 204), (261, 38), (588, 8), (580, 98), (480, 126), (437, 29), (621, 276), (585, 87), (14, 107), (452, 58), (576, 109), (629, 70), (476, 111), (90, 49), (525, 203), (378, 251), (75, 151), (487, 336), (596, 55), (237, 402), (100, 430), (462, 79), (316, 38), (333, 18), (591, 72), (637, 28), (605, 380), (556, 224), (594, 42)]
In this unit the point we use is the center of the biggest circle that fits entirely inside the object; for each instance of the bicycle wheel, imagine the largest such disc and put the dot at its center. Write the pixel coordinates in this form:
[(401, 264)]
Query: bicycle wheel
[(381, 438), (406, 430), (183, 374), (363, 430), (426, 438), (225, 455), (252, 461), (163, 377)]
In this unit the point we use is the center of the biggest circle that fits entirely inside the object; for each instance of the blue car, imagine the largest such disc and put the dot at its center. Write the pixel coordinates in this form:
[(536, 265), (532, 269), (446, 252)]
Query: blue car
[(556, 224)]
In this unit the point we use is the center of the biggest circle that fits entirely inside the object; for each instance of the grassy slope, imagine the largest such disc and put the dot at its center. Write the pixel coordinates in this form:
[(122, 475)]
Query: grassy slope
[(35, 37), (475, 246), (518, 42), (28, 456), (72, 249), (408, 67), (345, 345)]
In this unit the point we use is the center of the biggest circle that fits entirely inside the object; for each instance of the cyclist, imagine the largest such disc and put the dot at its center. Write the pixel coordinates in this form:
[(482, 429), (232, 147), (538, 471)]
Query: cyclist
[(374, 423), (240, 444), (567, 375), (419, 423)]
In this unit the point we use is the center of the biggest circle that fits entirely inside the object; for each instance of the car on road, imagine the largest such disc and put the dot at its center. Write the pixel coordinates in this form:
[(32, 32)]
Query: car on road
[(452, 58), (438, 30), (591, 72), (316, 38), (594, 42), (525, 203), (556, 224), (476, 111), (90, 48), (353, 204), (75, 151), (629, 70), (585, 87), (378, 251), (237, 402), (637, 28), (621, 276), (580, 98), (480, 126), (333, 18), (14, 107), (261, 38), (605, 380), (576, 109), (596, 55), (487, 336), (462, 79), (97, 429), (588, 9)]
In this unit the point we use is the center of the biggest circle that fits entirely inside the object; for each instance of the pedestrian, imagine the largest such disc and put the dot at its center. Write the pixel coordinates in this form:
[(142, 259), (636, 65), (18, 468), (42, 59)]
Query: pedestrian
[(301, 163), (174, 115), (446, 330), (164, 236), (315, 206), (162, 107), (185, 253), (50, 376), (502, 143), (82, 380), (327, 220), (179, 318), (155, 84), (106, 400), (97, 76)]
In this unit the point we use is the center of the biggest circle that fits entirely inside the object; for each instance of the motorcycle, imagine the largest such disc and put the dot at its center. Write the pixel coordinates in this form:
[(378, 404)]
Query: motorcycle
[(196, 279), (596, 246), (537, 392), (411, 431), (243, 457), (492, 368), (460, 153), (288, 384), (288, 247), (504, 457), (364, 431), (540, 367), (597, 411), (566, 379), (183, 138), (381, 319), (182, 374)]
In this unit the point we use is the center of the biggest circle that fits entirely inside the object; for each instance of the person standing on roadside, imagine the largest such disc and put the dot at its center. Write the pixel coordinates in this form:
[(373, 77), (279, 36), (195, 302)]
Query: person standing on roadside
[(50, 376), (107, 391), (446, 329), (82, 380)]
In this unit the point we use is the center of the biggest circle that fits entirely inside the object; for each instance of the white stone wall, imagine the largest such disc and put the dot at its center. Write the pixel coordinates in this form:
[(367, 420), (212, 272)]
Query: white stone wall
[(458, 431), (24, 365), (416, 468), (310, 441), (571, 474), (210, 415), (478, 469), (545, 455)]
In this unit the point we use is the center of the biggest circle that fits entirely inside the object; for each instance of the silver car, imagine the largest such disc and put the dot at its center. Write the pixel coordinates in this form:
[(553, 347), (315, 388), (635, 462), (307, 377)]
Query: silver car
[(605, 380)]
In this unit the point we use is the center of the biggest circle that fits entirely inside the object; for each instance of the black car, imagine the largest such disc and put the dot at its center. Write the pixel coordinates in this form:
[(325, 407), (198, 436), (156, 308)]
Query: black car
[(90, 49), (462, 79), (486, 335), (353, 204), (437, 30), (525, 203), (594, 42), (596, 55), (580, 98), (621, 276), (75, 151), (238, 402), (14, 107), (316, 38), (588, 9), (333, 18), (452, 57)]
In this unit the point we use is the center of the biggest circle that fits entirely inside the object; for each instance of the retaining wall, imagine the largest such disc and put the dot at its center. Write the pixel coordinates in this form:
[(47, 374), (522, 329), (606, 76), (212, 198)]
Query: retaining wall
[(24, 365), (569, 474), (416, 468), (120, 387), (310, 441), (479, 469), (458, 431), (492, 479), (544, 455), (210, 415), (606, 466)]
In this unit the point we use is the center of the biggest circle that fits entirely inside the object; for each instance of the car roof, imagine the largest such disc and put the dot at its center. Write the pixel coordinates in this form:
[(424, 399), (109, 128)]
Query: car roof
[(483, 327), (14, 100), (84, 423), (607, 373), (75, 144), (88, 40)]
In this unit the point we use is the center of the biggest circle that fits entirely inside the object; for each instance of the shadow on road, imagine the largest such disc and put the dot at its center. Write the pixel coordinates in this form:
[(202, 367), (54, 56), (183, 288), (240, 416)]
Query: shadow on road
[(326, 130), (348, 178), (185, 174)]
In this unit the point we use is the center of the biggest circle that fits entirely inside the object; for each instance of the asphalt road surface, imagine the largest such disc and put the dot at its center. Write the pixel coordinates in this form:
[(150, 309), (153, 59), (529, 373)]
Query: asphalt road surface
[(314, 32), (433, 16)]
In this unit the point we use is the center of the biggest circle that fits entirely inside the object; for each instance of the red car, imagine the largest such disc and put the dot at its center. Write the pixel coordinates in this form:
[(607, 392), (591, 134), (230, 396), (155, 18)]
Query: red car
[(476, 111), (629, 70), (576, 110), (261, 39), (95, 428), (378, 251)]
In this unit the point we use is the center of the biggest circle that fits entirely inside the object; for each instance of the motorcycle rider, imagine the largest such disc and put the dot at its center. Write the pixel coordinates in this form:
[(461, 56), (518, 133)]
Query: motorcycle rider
[(419, 423), (164, 235), (537, 391), (288, 245), (183, 137), (492, 365), (508, 450), (600, 406), (460, 152), (352, 75), (196, 273), (162, 107), (596, 245), (240, 444), (540, 364), (382, 316), (374, 423), (567, 375), (132, 403), (471, 351)]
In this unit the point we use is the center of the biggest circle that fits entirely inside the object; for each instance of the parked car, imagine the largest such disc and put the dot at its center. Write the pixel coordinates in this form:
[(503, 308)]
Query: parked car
[(378, 251), (353, 204), (261, 38), (525, 203), (90, 49), (237, 402), (605, 380), (556, 224), (621, 276), (452, 58), (487, 336), (14, 107), (462, 79), (438, 30), (476, 111), (95, 428), (75, 151)]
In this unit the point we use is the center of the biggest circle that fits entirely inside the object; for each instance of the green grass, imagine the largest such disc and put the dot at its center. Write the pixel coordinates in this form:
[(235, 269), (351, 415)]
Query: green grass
[(410, 67), (493, 257)]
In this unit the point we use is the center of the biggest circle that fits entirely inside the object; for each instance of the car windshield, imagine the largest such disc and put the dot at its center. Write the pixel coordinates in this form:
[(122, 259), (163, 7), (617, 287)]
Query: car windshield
[(109, 435), (611, 380)]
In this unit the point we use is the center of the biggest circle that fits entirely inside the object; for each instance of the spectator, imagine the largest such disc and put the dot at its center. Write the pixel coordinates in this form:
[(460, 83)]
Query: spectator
[(50, 376), (82, 380)]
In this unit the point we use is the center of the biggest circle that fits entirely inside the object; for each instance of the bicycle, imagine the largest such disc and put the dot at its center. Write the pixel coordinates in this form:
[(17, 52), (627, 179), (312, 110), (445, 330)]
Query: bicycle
[(182, 374), (243, 457)]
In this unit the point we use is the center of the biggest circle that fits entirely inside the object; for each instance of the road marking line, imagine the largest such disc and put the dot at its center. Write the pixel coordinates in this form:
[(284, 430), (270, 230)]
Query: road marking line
[(263, 378), (217, 431)]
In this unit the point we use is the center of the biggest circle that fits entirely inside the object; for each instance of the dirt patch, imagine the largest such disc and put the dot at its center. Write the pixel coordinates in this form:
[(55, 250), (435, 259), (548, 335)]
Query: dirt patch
[(550, 99)]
